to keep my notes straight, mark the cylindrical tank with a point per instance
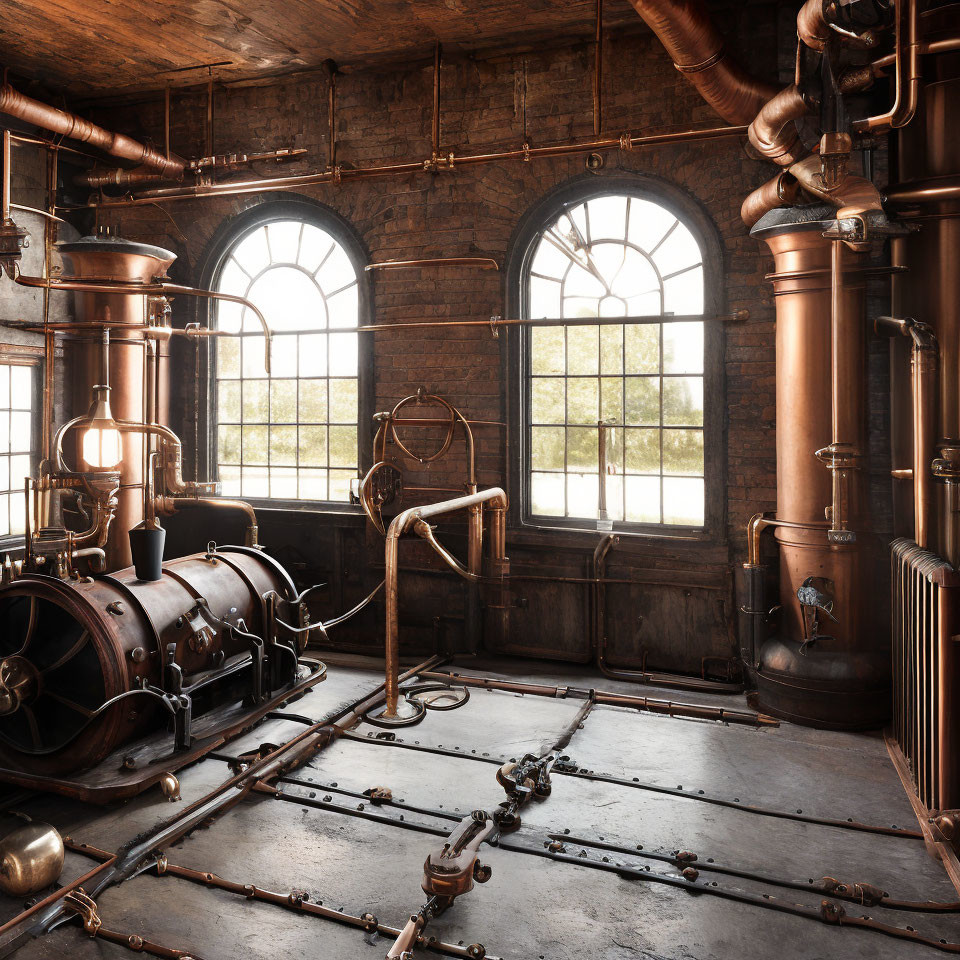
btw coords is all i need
(110, 258)
(70, 646)
(842, 678)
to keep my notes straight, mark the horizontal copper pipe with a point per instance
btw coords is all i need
(42, 115)
(495, 322)
(925, 191)
(482, 263)
(450, 162)
(760, 521)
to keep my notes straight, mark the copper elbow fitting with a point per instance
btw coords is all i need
(783, 190)
(773, 132)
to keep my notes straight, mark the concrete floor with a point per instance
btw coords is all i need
(532, 907)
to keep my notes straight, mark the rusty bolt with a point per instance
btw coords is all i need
(691, 874)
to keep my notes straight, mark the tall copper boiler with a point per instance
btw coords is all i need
(111, 258)
(833, 673)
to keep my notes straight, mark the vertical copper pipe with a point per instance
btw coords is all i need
(907, 73)
(332, 117)
(598, 73)
(923, 363)
(398, 526)
(7, 153)
(435, 133)
(166, 122)
(49, 346)
(210, 115)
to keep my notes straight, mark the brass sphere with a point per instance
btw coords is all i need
(31, 859)
(170, 786)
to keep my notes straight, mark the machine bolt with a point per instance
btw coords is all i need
(138, 654)
(116, 608)
(691, 874)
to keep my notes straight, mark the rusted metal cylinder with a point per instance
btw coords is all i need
(109, 258)
(70, 646)
(840, 679)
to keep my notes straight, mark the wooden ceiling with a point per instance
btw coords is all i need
(86, 47)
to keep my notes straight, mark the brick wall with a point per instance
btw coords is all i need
(384, 115)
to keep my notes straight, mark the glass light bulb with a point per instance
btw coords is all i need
(101, 445)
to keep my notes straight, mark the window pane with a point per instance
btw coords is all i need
(582, 448)
(343, 354)
(313, 446)
(583, 495)
(611, 399)
(313, 356)
(283, 483)
(228, 358)
(683, 451)
(544, 299)
(312, 484)
(642, 401)
(642, 348)
(683, 502)
(283, 401)
(642, 496)
(343, 447)
(283, 357)
(649, 222)
(283, 446)
(284, 237)
(677, 251)
(547, 350)
(228, 401)
(683, 347)
(611, 350)
(251, 253)
(313, 401)
(229, 445)
(343, 307)
(683, 295)
(643, 451)
(583, 398)
(254, 448)
(343, 401)
(546, 494)
(256, 403)
(583, 350)
(548, 396)
(683, 401)
(546, 448)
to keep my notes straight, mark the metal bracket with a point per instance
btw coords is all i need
(85, 906)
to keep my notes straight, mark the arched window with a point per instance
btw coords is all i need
(292, 434)
(620, 399)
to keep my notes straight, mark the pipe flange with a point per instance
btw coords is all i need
(409, 712)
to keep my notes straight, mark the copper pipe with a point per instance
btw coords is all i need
(812, 28)
(400, 525)
(923, 368)
(946, 45)
(435, 127)
(450, 162)
(5, 202)
(160, 287)
(171, 505)
(686, 31)
(494, 323)
(598, 72)
(209, 127)
(773, 132)
(118, 177)
(40, 213)
(761, 521)
(481, 263)
(166, 122)
(783, 190)
(931, 190)
(907, 73)
(39, 114)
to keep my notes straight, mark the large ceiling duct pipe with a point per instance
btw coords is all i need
(686, 31)
(15, 104)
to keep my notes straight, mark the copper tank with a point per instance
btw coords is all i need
(110, 258)
(841, 678)
(70, 646)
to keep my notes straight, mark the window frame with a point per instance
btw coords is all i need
(231, 232)
(517, 354)
(22, 355)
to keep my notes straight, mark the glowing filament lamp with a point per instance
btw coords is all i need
(100, 443)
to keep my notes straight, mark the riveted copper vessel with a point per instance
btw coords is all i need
(841, 678)
(89, 641)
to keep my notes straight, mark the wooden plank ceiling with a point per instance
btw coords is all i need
(86, 47)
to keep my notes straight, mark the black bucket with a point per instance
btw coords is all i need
(146, 545)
